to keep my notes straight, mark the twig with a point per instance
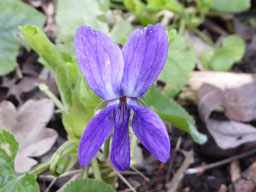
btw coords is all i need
(235, 170)
(69, 181)
(204, 37)
(203, 168)
(173, 155)
(181, 172)
(215, 28)
(50, 185)
(124, 180)
(19, 72)
(140, 173)
(50, 177)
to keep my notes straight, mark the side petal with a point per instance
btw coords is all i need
(151, 131)
(120, 150)
(144, 53)
(100, 61)
(95, 134)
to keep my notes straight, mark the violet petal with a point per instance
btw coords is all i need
(144, 53)
(120, 150)
(95, 134)
(151, 131)
(100, 61)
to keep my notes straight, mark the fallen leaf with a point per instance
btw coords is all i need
(222, 80)
(247, 181)
(229, 133)
(18, 87)
(28, 125)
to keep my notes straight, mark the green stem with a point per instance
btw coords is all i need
(204, 37)
(182, 27)
(41, 168)
(85, 172)
(96, 169)
(106, 149)
(134, 143)
(44, 88)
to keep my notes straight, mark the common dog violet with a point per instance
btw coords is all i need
(120, 76)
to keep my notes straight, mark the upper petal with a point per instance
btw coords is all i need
(144, 53)
(95, 134)
(101, 62)
(151, 131)
(120, 150)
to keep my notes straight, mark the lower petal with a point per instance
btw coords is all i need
(151, 131)
(120, 151)
(95, 134)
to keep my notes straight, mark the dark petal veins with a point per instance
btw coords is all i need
(100, 61)
(144, 53)
(120, 151)
(95, 134)
(151, 131)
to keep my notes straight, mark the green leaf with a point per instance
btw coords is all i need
(9, 180)
(90, 185)
(14, 13)
(171, 5)
(204, 5)
(121, 30)
(51, 58)
(222, 59)
(231, 6)
(173, 113)
(71, 14)
(180, 62)
(141, 12)
(82, 110)
(79, 101)
(171, 35)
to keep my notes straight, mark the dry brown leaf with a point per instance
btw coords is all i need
(222, 80)
(247, 181)
(239, 104)
(17, 88)
(28, 125)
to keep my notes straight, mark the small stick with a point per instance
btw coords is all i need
(69, 181)
(235, 170)
(140, 173)
(203, 168)
(50, 185)
(178, 176)
(173, 155)
(50, 177)
(124, 180)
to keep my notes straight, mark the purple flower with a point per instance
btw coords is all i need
(120, 76)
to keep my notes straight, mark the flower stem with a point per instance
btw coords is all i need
(106, 149)
(182, 26)
(204, 37)
(96, 169)
(134, 142)
(44, 88)
(85, 172)
(41, 168)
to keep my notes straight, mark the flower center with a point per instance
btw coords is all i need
(123, 100)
